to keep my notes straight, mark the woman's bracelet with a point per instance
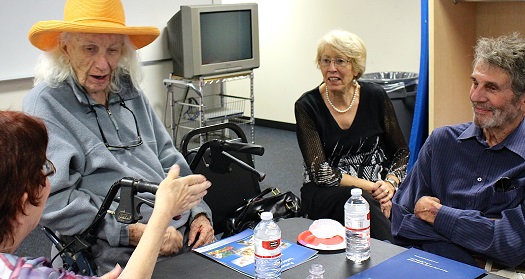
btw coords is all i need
(393, 182)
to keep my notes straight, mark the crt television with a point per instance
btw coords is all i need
(214, 39)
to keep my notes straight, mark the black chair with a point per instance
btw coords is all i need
(228, 164)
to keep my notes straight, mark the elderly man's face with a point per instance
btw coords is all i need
(494, 104)
(94, 57)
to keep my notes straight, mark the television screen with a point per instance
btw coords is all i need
(214, 39)
(219, 46)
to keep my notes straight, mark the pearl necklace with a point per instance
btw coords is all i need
(351, 103)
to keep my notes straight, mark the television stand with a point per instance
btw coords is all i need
(202, 101)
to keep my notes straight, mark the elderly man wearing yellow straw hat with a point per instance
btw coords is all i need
(102, 128)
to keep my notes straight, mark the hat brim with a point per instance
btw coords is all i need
(44, 34)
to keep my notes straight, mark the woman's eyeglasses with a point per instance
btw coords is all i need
(117, 147)
(48, 169)
(338, 62)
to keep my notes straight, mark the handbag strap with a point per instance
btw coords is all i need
(266, 191)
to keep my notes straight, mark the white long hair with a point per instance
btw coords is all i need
(53, 67)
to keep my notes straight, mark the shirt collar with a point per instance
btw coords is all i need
(514, 142)
(471, 131)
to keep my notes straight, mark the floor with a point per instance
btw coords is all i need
(282, 161)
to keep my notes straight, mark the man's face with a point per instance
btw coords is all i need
(494, 104)
(94, 58)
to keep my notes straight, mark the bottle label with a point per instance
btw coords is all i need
(267, 248)
(359, 223)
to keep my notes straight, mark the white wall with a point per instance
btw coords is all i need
(289, 30)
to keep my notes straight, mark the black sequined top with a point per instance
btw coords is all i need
(371, 148)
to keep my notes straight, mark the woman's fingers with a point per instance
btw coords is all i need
(178, 194)
(174, 172)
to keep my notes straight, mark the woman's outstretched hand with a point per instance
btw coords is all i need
(178, 194)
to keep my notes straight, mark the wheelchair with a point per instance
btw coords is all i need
(213, 159)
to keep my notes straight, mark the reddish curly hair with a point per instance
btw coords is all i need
(23, 143)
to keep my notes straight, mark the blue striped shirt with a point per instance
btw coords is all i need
(481, 188)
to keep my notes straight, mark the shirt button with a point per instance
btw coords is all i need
(479, 179)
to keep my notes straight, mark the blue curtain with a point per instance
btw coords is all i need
(419, 130)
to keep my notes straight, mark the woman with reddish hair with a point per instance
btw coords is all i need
(24, 172)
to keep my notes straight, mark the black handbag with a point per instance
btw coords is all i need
(282, 205)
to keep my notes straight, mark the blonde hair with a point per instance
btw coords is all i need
(346, 43)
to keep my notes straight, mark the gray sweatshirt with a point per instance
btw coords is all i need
(86, 168)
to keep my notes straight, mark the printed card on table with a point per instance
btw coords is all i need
(236, 252)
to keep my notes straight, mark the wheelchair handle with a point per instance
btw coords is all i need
(260, 175)
(75, 254)
(218, 154)
(243, 147)
(146, 187)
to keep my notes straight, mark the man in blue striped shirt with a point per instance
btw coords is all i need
(465, 196)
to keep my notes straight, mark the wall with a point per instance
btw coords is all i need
(460, 25)
(289, 30)
(20, 55)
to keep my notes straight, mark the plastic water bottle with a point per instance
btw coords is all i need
(357, 224)
(267, 242)
(316, 272)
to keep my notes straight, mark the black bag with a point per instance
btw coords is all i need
(282, 206)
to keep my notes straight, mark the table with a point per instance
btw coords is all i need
(193, 265)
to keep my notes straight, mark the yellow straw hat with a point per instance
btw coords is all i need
(93, 16)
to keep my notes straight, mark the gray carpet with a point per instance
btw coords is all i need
(282, 160)
(282, 163)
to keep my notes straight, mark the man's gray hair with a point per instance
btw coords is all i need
(507, 53)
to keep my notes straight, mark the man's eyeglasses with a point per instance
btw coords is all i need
(338, 62)
(48, 169)
(117, 147)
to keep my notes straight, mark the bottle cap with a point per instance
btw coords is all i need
(356, 192)
(267, 216)
(317, 269)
